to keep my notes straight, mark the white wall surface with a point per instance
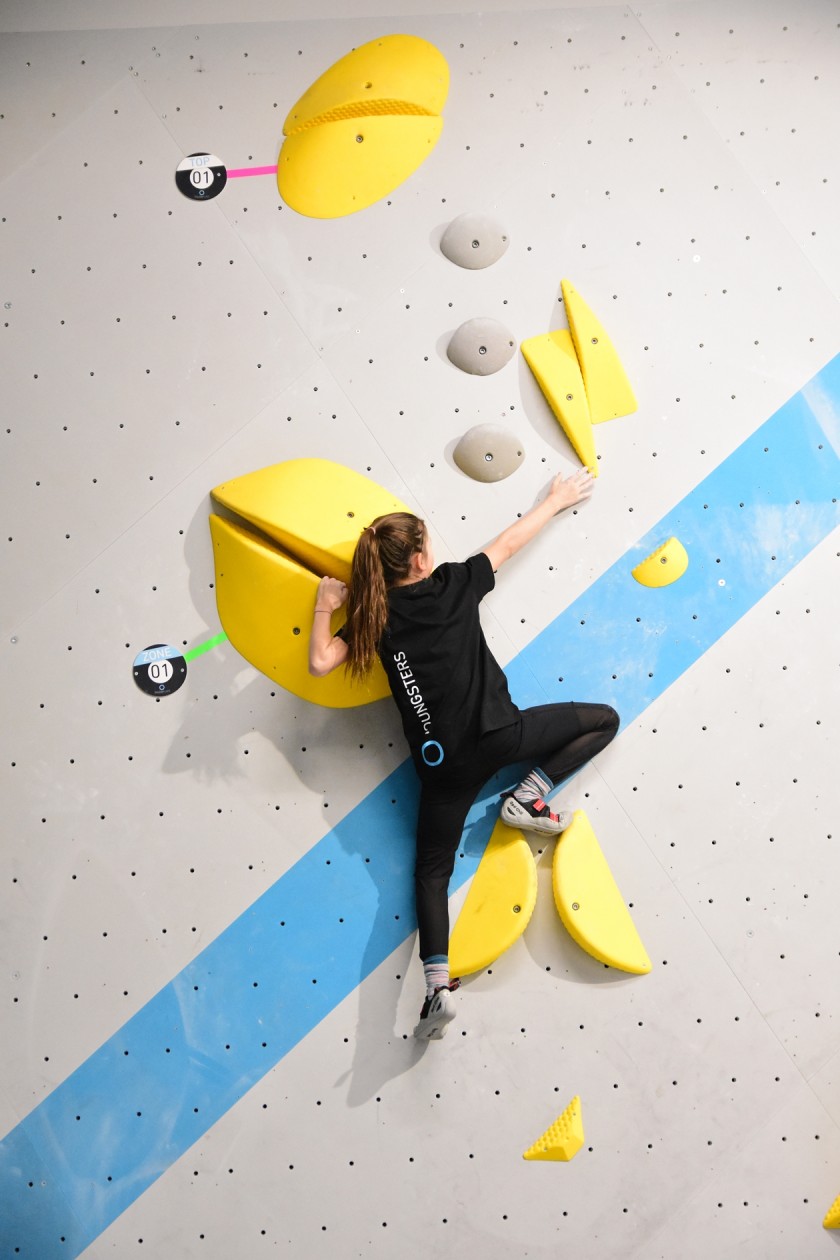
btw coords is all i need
(679, 163)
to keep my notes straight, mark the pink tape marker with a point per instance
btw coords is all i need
(252, 170)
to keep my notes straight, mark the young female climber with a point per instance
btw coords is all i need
(422, 622)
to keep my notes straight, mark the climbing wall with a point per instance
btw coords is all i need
(210, 977)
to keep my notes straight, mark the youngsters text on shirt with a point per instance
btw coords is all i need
(413, 691)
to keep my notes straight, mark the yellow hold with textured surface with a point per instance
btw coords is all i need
(363, 127)
(832, 1216)
(499, 903)
(663, 566)
(607, 387)
(563, 1139)
(552, 359)
(298, 521)
(589, 903)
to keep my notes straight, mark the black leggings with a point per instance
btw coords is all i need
(558, 738)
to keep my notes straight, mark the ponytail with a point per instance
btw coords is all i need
(382, 558)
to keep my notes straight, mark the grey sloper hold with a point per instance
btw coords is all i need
(487, 452)
(474, 241)
(481, 347)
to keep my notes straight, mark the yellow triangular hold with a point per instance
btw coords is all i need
(552, 359)
(499, 904)
(607, 387)
(563, 1139)
(589, 903)
(663, 566)
(832, 1216)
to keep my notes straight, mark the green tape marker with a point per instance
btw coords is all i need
(201, 648)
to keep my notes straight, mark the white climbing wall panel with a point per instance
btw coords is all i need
(678, 162)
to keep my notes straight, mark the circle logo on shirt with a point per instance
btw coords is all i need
(432, 752)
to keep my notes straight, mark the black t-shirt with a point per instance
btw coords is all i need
(448, 686)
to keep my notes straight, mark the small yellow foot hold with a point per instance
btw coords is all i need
(499, 903)
(589, 903)
(663, 566)
(552, 359)
(563, 1139)
(363, 127)
(832, 1216)
(607, 387)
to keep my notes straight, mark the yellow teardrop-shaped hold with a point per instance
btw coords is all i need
(663, 566)
(552, 359)
(589, 903)
(393, 68)
(363, 127)
(607, 387)
(832, 1216)
(563, 1139)
(310, 513)
(499, 904)
(329, 171)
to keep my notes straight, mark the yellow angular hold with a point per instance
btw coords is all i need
(832, 1216)
(607, 387)
(499, 903)
(298, 521)
(314, 508)
(563, 1139)
(552, 359)
(589, 903)
(664, 565)
(363, 127)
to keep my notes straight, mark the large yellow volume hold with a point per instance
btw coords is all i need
(499, 904)
(607, 387)
(563, 1139)
(363, 127)
(832, 1216)
(664, 565)
(589, 903)
(298, 521)
(552, 359)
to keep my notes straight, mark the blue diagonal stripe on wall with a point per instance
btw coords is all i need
(103, 1136)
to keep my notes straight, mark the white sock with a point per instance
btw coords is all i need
(533, 787)
(436, 971)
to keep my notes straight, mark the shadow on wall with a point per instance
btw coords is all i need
(384, 1049)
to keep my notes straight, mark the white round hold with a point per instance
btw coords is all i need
(474, 241)
(481, 347)
(488, 452)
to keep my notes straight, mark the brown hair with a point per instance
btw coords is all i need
(382, 558)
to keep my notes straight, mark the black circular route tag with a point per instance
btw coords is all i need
(159, 670)
(201, 176)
